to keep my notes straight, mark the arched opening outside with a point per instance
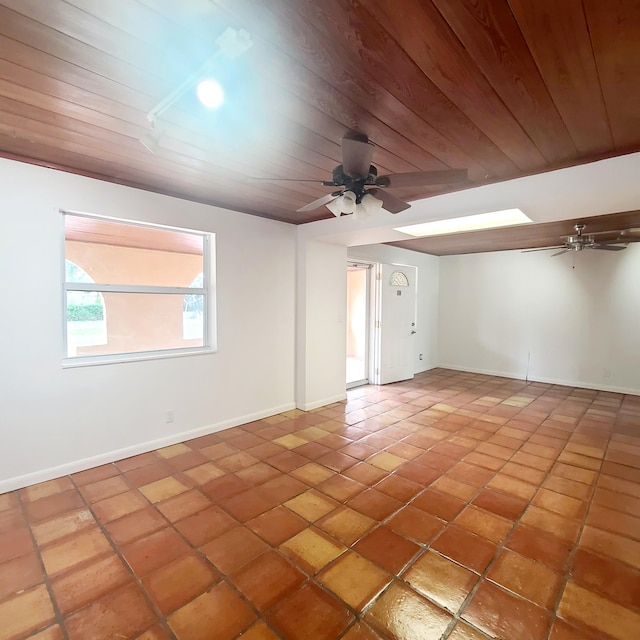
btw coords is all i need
(86, 314)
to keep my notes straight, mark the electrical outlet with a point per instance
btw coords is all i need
(420, 357)
(169, 416)
(606, 373)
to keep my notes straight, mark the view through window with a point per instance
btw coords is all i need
(134, 289)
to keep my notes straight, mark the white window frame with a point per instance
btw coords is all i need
(207, 290)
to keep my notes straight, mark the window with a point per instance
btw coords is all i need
(134, 291)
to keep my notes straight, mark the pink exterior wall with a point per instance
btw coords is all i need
(128, 316)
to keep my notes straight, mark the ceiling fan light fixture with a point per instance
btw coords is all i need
(491, 220)
(334, 207)
(348, 202)
(371, 204)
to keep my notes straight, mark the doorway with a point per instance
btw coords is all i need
(358, 285)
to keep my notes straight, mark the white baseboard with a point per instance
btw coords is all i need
(487, 372)
(580, 384)
(309, 406)
(17, 482)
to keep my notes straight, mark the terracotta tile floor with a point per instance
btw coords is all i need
(452, 506)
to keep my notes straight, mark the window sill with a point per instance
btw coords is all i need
(120, 358)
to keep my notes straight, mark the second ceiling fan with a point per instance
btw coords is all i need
(361, 190)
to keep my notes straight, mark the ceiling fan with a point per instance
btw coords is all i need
(361, 190)
(617, 241)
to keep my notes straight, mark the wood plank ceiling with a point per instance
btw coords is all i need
(503, 88)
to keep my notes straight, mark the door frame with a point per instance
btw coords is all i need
(369, 302)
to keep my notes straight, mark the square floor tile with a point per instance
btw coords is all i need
(613, 579)
(438, 504)
(355, 580)
(78, 588)
(441, 580)
(176, 583)
(204, 473)
(508, 484)
(374, 504)
(118, 506)
(46, 489)
(416, 524)
(135, 525)
(527, 578)
(464, 631)
(578, 605)
(224, 487)
(173, 450)
(504, 616)
(311, 505)
(149, 473)
(205, 526)
(614, 521)
(387, 549)
(341, 488)
(233, 549)
(503, 505)
(248, 504)
(399, 488)
(283, 488)
(163, 489)
(102, 489)
(559, 503)
(361, 631)
(147, 554)
(259, 631)
(120, 614)
(365, 473)
(553, 523)
(61, 526)
(540, 546)
(484, 523)
(470, 550)
(287, 461)
(401, 613)
(258, 473)
(310, 613)
(277, 525)
(311, 550)
(346, 525)
(19, 574)
(25, 612)
(267, 579)
(73, 550)
(183, 505)
(386, 461)
(53, 505)
(218, 614)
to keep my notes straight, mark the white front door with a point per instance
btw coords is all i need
(397, 322)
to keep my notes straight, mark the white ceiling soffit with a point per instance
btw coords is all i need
(597, 188)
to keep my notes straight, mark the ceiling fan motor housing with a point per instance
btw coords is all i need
(355, 183)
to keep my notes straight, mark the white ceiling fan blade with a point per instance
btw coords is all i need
(316, 204)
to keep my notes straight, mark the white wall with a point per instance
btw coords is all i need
(55, 421)
(321, 351)
(426, 342)
(527, 314)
